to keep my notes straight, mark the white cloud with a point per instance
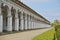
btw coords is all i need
(56, 15)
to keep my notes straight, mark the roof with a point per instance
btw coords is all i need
(28, 8)
(58, 21)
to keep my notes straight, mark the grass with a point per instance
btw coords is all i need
(49, 35)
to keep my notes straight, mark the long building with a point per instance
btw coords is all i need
(16, 16)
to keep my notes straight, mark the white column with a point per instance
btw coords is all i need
(29, 21)
(35, 24)
(16, 22)
(25, 21)
(22, 22)
(1, 20)
(32, 22)
(9, 25)
(38, 24)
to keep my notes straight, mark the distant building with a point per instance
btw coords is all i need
(58, 21)
(15, 16)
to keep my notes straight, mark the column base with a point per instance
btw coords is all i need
(16, 24)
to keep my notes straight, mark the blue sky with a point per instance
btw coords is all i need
(50, 9)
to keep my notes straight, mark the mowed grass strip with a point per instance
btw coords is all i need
(49, 35)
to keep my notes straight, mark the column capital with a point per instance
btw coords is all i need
(9, 12)
(9, 16)
(22, 12)
(16, 14)
(25, 16)
(0, 8)
(21, 16)
(0, 12)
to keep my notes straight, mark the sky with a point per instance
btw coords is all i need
(49, 9)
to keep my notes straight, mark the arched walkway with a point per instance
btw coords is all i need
(19, 17)
(4, 13)
(13, 11)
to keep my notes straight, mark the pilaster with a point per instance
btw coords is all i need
(22, 22)
(16, 21)
(1, 20)
(9, 24)
(25, 21)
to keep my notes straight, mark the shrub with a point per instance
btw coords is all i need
(57, 32)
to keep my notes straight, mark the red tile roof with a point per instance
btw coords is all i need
(58, 21)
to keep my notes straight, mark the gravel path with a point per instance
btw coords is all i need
(27, 35)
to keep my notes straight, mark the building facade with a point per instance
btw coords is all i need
(58, 22)
(15, 16)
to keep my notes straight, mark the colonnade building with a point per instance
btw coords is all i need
(16, 16)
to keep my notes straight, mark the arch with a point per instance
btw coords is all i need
(4, 10)
(24, 20)
(19, 16)
(27, 21)
(13, 11)
(30, 17)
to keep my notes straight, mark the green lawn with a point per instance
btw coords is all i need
(49, 35)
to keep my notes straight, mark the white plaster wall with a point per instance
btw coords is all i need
(1, 19)
(1, 23)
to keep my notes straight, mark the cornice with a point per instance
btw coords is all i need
(28, 8)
